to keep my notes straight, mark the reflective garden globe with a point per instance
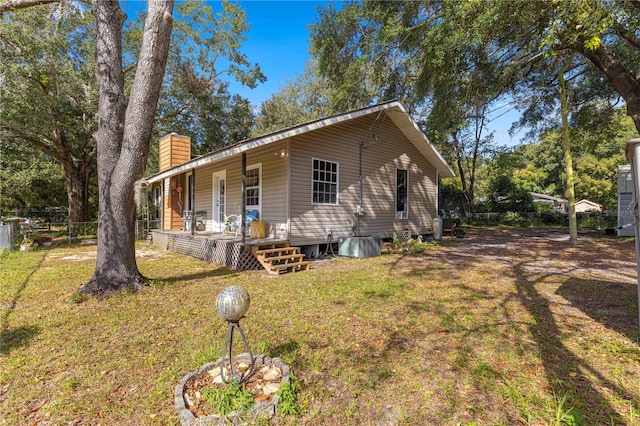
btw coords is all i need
(232, 303)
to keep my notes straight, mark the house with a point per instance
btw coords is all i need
(626, 219)
(559, 204)
(583, 206)
(368, 172)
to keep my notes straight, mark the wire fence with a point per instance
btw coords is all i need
(13, 232)
(586, 220)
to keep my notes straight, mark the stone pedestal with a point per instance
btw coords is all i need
(265, 408)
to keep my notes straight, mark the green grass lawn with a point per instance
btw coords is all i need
(495, 328)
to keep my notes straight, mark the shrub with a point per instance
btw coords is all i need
(514, 219)
(229, 398)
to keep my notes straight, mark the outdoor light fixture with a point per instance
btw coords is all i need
(282, 153)
(232, 303)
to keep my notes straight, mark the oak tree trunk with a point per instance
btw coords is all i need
(124, 132)
(77, 182)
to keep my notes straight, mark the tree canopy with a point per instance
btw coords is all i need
(305, 98)
(450, 61)
(49, 96)
(205, 53)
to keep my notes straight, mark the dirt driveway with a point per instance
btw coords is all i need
(600, 270)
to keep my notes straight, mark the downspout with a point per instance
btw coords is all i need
(358, 209)
(243, 197)
(288, 233)
(437, 212)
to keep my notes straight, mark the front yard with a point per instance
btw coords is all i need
(501, 327)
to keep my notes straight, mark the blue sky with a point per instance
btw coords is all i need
(279, 41)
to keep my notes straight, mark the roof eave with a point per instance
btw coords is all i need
(421, 142)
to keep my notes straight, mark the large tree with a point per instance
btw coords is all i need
(448, 58)
(414, 51)
(123, 134)
(29, 180)
(305, 98)
(48, 94)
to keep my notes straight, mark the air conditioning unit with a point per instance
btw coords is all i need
(360, 247)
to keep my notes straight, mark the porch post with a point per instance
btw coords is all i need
(243, 198)
(192, 194)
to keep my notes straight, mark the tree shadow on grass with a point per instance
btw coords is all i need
(286, 349)
(614, 305)
(530, 260)
(13, 338)
(220, 272)
(562, 366)
(288, 352)
(17, 337)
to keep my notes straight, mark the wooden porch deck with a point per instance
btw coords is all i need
(224, 250)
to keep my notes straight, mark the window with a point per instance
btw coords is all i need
(157, 201)
(253, 187)
(325, 182)
(402, 183)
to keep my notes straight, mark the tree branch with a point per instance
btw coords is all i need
(627, 35)
(12, 5)
(33, 141)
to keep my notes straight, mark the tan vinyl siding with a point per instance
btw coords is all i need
(274, 185)
(340, 144)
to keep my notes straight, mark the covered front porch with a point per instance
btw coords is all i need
(273, 254)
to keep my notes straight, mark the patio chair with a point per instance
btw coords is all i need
(201, 216)
(233, 222)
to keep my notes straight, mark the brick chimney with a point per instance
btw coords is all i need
(173, 151)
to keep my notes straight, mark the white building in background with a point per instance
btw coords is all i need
(583, 206)
(559, 204)
(625, 202)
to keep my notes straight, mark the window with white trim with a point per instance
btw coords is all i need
(324, 182)
(402, 194)
(254, 183)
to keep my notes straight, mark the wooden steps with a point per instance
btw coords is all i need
(279, 258)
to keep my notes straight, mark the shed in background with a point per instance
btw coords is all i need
(625, 202)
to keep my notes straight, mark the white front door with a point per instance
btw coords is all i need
(219, 200)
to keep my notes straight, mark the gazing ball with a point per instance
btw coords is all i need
(232, 303)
